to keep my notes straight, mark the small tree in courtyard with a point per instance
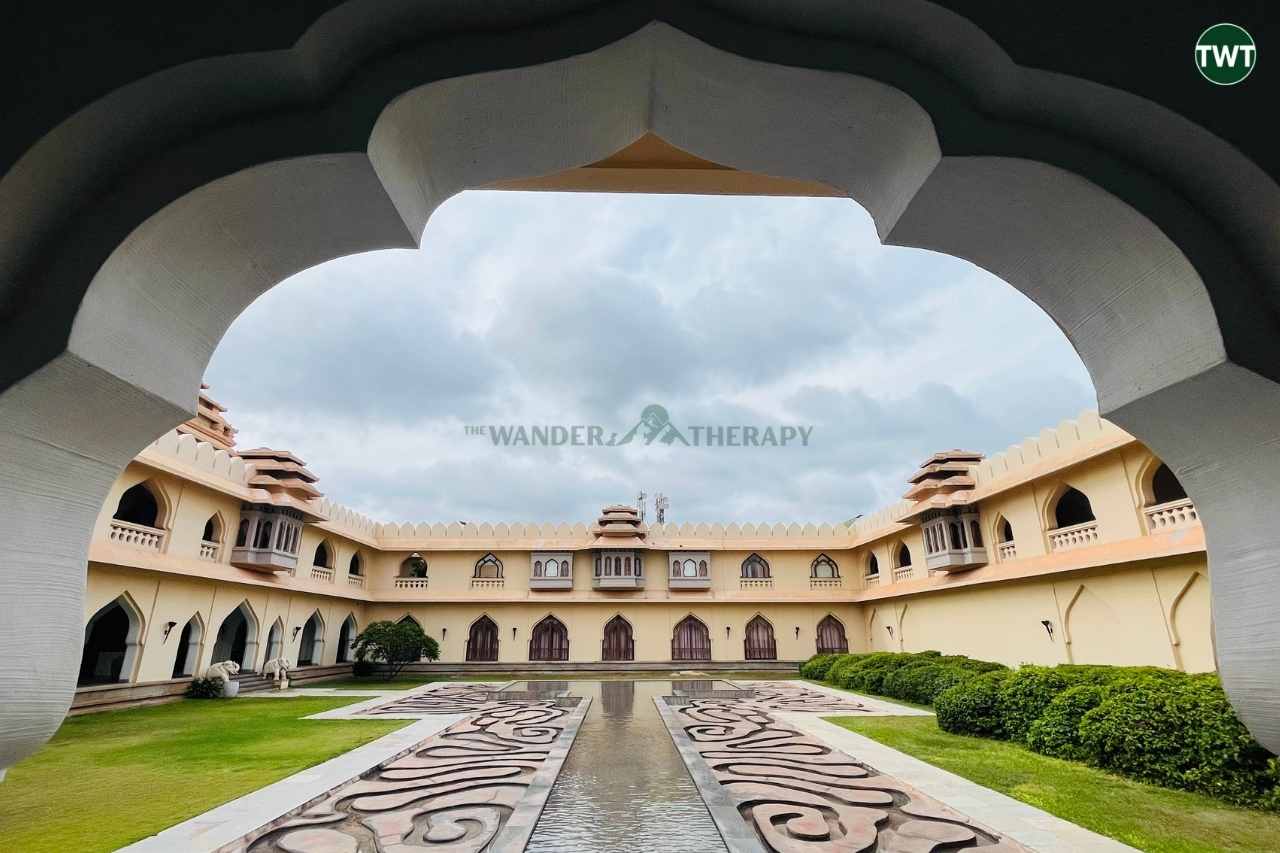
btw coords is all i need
(395, 644)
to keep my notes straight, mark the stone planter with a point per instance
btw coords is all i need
(230, 689)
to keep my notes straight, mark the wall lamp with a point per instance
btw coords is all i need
(889, 628)
(727, 629)
(1048, 627)
(296, 629)
(168, 627)
(513, 631)
(444, 632)
(797, 632)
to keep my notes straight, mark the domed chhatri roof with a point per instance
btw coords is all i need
(619, 527)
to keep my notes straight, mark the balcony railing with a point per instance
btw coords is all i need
(321, 573)
(488, 583)
(1007, 550)
(356, 580)
(902, 573)
(209, 550)
(871, 580)
(826, 583)
(411, 583)
(1171, 516)
(1075, 536)
(755, 583)
(682, 582)
(136, 535)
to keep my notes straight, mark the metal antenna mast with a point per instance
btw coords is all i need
(660, 504)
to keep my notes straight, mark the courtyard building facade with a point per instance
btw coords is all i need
(1078, 545)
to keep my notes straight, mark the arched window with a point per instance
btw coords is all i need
(138, 505)
(346, 639)
(275, 641)
(264, 536)
(759, 643)
(414, 566)
(188, 652)
(482, 640)
(755, 566)
(1165, 486)
(873, 566)
(1004, 530)
(322, 556)
(1072, 508)
(903, 556)
(956, 535)
(311, 648)
(550, 640)
(824, 567)
(354, 567)
(111, 643)
(212, 529)
(690, 640)
(975, 535)
(488, 566)
(242, 533)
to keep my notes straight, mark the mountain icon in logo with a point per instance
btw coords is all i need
(654, 424)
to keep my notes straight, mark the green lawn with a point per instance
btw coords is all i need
(1143, 816)
(106, 780)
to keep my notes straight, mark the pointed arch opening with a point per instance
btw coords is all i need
(549, 641)
(755, 566)
(831, 637)
(414, 566)
(355, 566)
(112, 642)
(346, 639)
(323, 556)
(759, 642)
(690, 640)
(275, 640)
(488, 566)
(213, 530)
(190, 641)
(311, 646)
(618, 643)
(873, 566)
(237, 638)
(824, 567)
(482, 641)
(1071, 507)
(142, 504)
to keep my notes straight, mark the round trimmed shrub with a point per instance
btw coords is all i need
(922, 681)
(838, 672)
(1057, 731)
(973, 706)
(1026, 695)
(1181, 733)
(817, 666)
(868, 675)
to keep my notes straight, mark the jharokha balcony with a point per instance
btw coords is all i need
(1173, 515)
(136, 535)
(411, 583)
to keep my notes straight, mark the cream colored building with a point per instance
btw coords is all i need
(1077, 545)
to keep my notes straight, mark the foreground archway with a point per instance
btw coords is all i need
(1175, 322)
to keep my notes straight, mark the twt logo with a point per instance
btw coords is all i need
(1225, 54)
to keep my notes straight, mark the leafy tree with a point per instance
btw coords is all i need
(396, 644)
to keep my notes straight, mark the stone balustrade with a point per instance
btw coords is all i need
(322, 574)
(1075, 536)
(826, 583)
(1007, 550)
(871, 580)
(209, 550)
(488, 583)
(136, 535)
(902, 573)
(356, 580)
(755, 583)
(411, 583)
(1171, 516)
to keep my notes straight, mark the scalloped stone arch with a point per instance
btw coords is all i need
(1124, 293)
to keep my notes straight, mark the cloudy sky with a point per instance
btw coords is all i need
(575, 309)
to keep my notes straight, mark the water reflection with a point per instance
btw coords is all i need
(624, 786)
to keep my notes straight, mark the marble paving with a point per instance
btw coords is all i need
(792, 792)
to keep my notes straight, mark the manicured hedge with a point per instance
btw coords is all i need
(1157, 725)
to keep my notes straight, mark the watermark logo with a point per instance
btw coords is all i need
(1226, 54)
(653, 427)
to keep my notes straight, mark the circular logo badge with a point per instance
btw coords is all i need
(1225, 54)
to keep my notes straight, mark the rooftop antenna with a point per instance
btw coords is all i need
(660, 504)
(640, 503)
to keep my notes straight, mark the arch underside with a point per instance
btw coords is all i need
(1175, 324)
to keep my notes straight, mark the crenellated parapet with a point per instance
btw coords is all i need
(1055, 447)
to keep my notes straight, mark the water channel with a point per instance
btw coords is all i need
(623, 786)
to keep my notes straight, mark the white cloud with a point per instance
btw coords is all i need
(548, 308)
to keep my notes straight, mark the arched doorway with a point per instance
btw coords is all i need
(482, 641)
(138, 505)
(311, 647)
(1064, 220)
(618, 643)
(237, 638)
(550, 640)
(759, 643)
(187, 655)
(111, 641)
(346, 637)
(831, 637)
(275, 641)
(691, 640)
